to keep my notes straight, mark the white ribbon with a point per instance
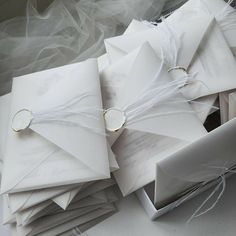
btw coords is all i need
(65, 114)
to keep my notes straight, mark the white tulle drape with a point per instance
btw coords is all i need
(67, 31)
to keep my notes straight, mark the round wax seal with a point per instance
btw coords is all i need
(22, 120)
(114, 119)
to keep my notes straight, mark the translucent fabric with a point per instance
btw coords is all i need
(67, 31)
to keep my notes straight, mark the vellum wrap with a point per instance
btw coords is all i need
(203, 106)
(198, 49)
(170, 122)
(195, 165)
(20, 201)
(24, 200)
(60, 150)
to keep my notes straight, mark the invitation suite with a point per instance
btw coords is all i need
(199, 53)
(146, 116)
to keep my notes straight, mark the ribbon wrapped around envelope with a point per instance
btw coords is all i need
(196, 51)
(196, 165)
(62, 139)
(146, 116)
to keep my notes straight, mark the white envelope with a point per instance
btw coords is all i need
(69, 196)
(94, 188)
(88, 189)
(23, 218)
(226, 18)
(104, 196)
(65, 199)
(101, 197)
(53, 154)
(24, 200)
(143, 143)
(202, 161)
(74, 229)
(203, 106)
(200, 50)
(62, 196)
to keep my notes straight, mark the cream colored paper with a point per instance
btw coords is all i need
(203, 106)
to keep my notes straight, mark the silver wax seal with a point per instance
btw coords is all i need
(114, 119)
(22, 120)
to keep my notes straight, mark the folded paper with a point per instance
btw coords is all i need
(65, 136)
(153, 115)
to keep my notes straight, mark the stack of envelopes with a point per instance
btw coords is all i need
(137, 111)
(57, 167)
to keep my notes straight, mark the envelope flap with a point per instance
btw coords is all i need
(172, 35)
(130, 42)
(141, 74)
(65, 199)
(172, 120)
(69, 113)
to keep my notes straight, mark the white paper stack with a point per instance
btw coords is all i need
(57, 167)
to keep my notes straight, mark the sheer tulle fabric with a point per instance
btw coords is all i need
(68, 31)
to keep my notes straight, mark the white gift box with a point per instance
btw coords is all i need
(218, 146)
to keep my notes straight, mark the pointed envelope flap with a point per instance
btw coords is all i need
(202, 161)
(23, 200)
(182, 32)
(167, 35)
(49, 165)
(77, 92)
(179, 122)
(65, 199)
